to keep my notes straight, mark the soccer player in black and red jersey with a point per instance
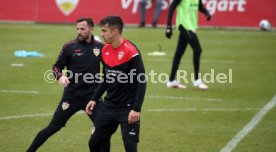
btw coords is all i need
(123, 101)
(81, 57)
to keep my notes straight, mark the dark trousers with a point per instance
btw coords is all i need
(186, 37)
(106, 123)
(64, 111)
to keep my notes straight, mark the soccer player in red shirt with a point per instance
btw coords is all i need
(125, 82)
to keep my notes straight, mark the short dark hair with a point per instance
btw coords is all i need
(89, 21)
(113, 22)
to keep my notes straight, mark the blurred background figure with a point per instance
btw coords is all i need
(187, 24)
(157, 12)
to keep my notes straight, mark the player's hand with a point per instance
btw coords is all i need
(89, 107)
(169, 31)
(63, 81)
(133, 117)
(208, 17)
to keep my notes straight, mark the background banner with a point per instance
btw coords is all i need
(226, 13)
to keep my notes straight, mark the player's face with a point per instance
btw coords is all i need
(107, 34)
(83, 31)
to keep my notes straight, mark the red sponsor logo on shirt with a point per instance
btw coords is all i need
(78, 50)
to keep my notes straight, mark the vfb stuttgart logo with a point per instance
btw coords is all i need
(67, 6)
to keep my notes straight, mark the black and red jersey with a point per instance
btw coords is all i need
(82, 61)
(124, 77)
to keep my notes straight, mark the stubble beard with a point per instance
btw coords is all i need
(82, 38)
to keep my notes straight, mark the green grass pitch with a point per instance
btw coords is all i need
(172, 120)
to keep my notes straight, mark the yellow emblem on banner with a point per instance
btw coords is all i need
(67, 6)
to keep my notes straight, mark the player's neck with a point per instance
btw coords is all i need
(88, 40)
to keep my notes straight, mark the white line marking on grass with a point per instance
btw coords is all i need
(198, 110)
(20, 91)
(32, 115)
(25, 116)
(249, 127)
(17, 64)
(148, 110)
(207, 61)
(184, 98)
(203, 61)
